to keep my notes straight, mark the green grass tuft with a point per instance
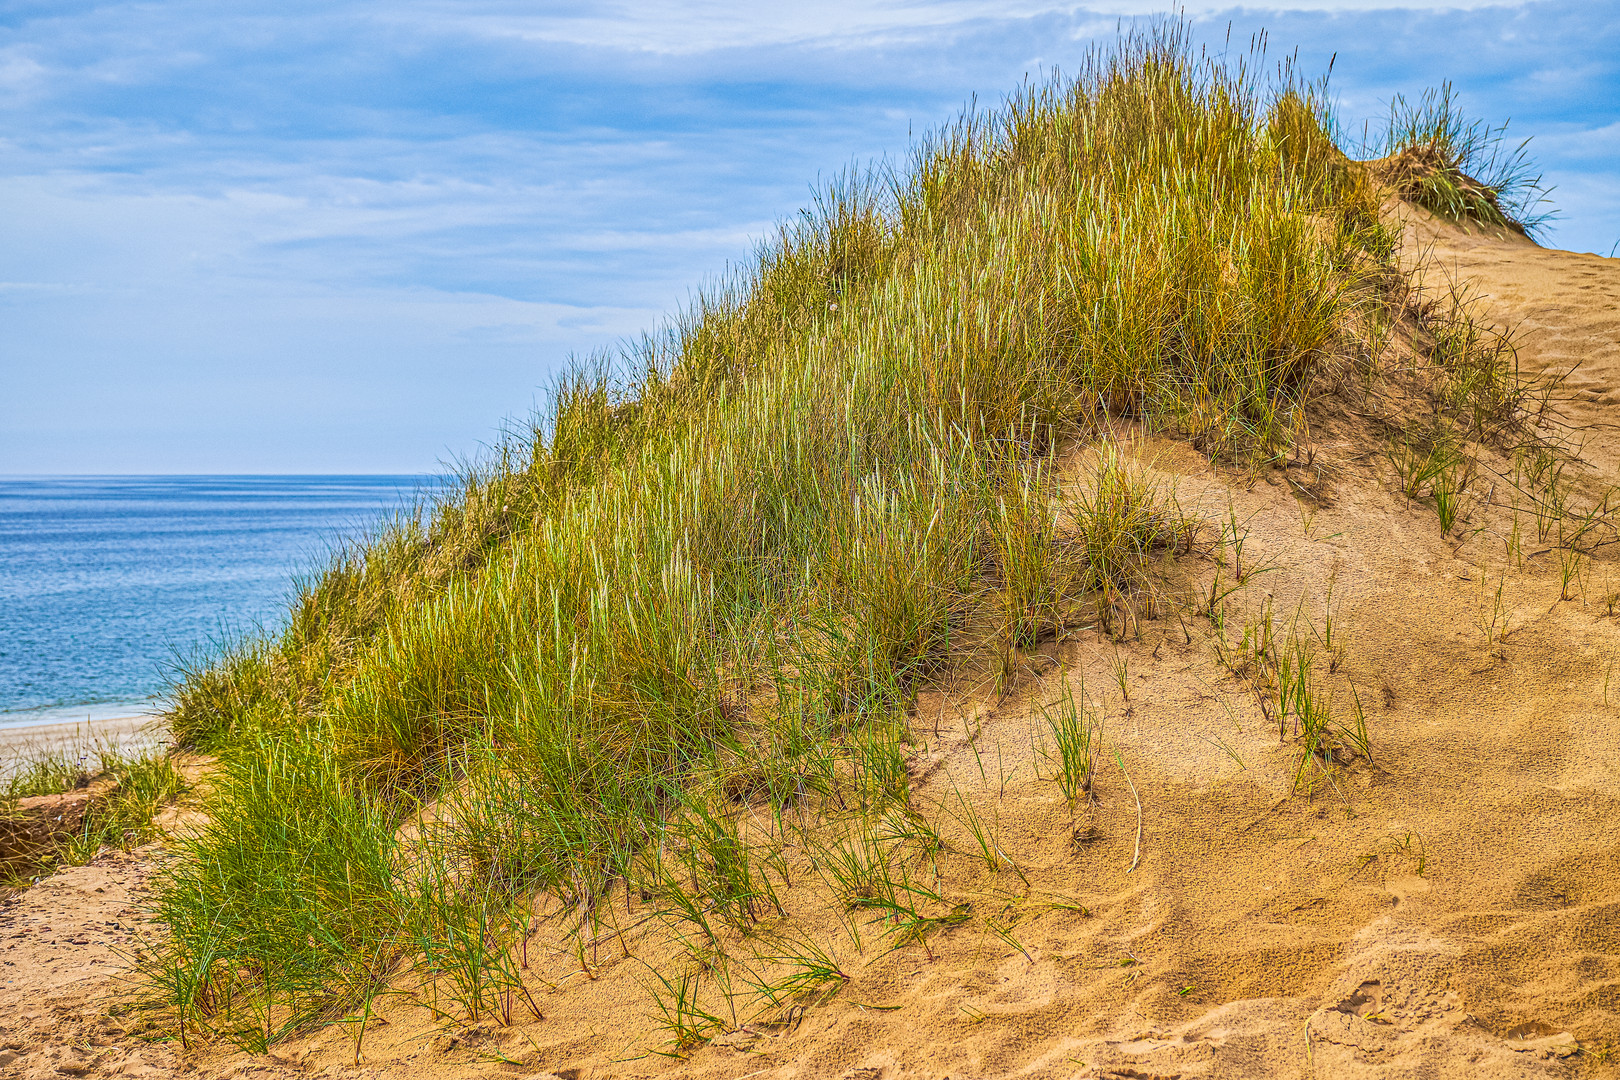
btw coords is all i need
(1461, 169)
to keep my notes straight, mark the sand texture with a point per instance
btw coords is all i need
(1451, 909)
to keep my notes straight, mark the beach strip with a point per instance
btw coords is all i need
(125, 733)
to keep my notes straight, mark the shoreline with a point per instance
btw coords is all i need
(123, 732)
(51, 716)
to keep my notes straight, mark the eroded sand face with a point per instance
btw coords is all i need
(1451, 911)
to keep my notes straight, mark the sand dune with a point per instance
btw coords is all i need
(1450, 910)
(1563, 310)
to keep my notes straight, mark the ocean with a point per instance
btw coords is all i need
(105, 580)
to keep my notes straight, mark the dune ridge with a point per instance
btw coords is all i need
(1308, 770)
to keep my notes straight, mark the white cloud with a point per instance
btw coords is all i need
(1581, 144)
(678, 29)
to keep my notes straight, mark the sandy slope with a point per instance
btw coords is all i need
(1564, 311)
(1452, 911)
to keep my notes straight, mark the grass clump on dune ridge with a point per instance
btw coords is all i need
(1460, 169)
(723, 577)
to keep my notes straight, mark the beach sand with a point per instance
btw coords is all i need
(124, 733)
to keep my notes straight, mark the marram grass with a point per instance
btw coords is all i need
(719, 569)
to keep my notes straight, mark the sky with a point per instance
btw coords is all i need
(349, 237)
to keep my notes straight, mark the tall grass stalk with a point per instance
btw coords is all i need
(1076, 734)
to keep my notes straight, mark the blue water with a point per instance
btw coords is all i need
(104, 580)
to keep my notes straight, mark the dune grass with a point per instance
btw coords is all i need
(48, 772)
(1461, 169)
(720, 567)
(131, 789)
(142, 785)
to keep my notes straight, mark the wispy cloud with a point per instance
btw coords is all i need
(287, 214)
(712, 26)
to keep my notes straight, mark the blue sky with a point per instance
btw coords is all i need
(354, 237)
